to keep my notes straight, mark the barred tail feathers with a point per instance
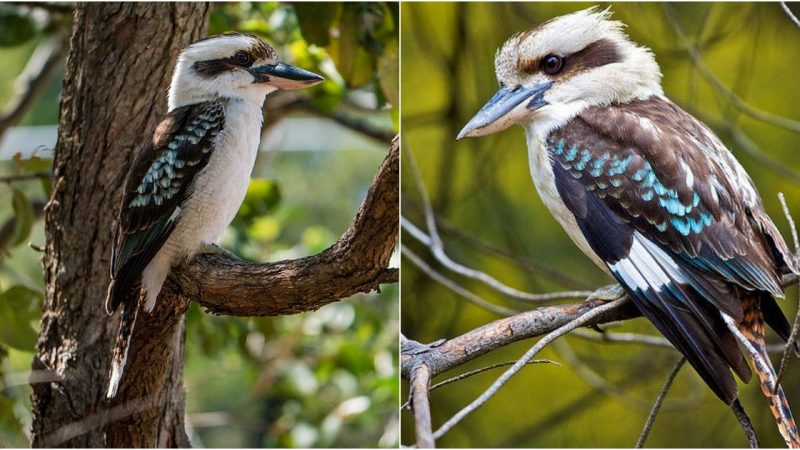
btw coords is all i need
(120, 353)
(752, 328)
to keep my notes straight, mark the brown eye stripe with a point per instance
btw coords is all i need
(596, 54)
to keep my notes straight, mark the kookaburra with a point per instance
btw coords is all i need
(649, 193)
(188, 181)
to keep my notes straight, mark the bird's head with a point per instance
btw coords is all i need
(552, 72)
(238, 66)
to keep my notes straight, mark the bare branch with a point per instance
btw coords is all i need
(301, 102)
(420, 404)
(651, 418)
(624, 338)
(791, 343)
(434, 241)
(717, 84)
(505, 331)
(441, 256)
(357, 262)
(41, 66)
(478, 371)
(747, 425)
(581, 320)
(446, 282)
(791, 15)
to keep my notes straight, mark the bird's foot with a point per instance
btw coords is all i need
(214, 249)
(415, 348)
(608, 293)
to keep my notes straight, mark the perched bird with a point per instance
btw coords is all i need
(187, 183)
(649, 193)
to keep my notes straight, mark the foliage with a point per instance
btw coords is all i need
(326, 378)
(482, 191)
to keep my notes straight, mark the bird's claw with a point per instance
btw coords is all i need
(214, 249)
(608, 293)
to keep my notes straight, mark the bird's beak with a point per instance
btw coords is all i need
(284, 76)
(507, 107)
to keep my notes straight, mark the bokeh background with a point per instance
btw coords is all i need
(491, 219)
(321, 379)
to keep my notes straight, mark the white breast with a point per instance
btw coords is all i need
(221, 186)
(544, 180)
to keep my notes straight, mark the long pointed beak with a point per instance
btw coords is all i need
(507, 107)
(285, 76)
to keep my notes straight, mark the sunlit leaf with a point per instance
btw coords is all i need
(388, 73)
(23, 215)
(17, 310)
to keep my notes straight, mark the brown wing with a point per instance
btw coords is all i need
(158, 183)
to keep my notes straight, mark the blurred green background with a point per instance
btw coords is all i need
(321, 379)
(482, 194)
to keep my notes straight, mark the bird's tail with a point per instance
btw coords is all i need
(120, 355)
(752, 327)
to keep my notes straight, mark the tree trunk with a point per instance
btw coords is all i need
(114, 92)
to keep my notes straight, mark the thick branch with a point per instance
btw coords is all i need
(357, 262)
(452, 353)
(420, 404)
(536, 322)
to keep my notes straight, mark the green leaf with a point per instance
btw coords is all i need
(262, 197)
(23, 216)
(15, 29)
(353, 61)
(315, 21)
(388, 70)
(17, 311)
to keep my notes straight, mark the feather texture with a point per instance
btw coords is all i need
(676, 220)
(159, 182)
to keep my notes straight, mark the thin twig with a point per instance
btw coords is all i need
(528, 356)
(41, 66)
(434, 241)
(747, 425)
(651, 418)
(450, 284)
(421, 406)
(624, 338)
(791, 15)
(478, 371)
(715, 82)
(441, 256)
(791, 342)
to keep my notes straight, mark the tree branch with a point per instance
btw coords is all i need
(357, 262)
(505, 331)
(651, 418)
(41, 66)
(420, 404)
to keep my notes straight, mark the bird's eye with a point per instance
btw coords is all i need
(552, 64)
(242, 58)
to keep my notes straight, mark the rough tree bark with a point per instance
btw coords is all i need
(117, 74)
(118, 70)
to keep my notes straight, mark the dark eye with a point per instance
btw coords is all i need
(552, 64)
(242, 58)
